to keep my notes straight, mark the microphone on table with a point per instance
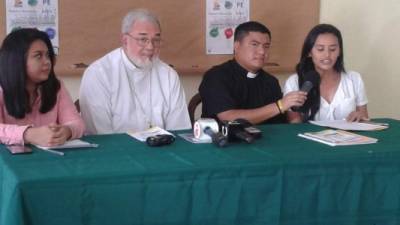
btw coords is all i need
(242, 135)
(311, 79)
(217, 138)
(240, 129)
(207, 128)
(249, 128)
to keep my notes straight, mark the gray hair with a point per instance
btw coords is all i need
(138, 15)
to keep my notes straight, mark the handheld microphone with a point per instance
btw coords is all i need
(307, 86)
(311, 79)
(217, 138)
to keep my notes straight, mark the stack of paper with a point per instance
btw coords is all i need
(192, 139)
(345, 125)
(338, 137)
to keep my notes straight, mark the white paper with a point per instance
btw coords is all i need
(190, 138)
(76, 143)
(143, 135)
(345, 125)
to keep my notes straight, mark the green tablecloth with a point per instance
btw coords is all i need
(280, 179)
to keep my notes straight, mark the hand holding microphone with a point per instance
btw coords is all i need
(296, 99)
(293, 100)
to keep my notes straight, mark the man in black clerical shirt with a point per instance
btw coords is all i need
(240, 88)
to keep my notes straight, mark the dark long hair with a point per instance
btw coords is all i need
(311, 106)
(13, 73)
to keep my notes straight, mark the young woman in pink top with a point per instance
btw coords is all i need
(35, 107)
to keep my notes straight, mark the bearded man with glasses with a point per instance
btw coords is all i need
(130, 88)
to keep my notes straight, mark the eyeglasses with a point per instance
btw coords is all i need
(144, 41)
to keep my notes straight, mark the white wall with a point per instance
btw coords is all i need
(371, 46)
(371, 34)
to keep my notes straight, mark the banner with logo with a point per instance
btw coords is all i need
(222, 17)
(40, 14)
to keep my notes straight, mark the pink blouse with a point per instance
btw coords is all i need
(64, 113)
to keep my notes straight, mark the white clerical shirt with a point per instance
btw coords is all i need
(116, 96)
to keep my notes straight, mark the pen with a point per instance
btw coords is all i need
(53, 151)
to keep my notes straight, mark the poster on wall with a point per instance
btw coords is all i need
(222, 17)
(40, 14)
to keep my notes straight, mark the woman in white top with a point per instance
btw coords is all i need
(337, 94)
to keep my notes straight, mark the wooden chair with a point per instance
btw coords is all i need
(193, 103)
(76, 103)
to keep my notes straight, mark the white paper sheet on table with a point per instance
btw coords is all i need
(345, 125)
(77, 143)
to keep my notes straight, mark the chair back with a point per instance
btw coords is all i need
(193, 103)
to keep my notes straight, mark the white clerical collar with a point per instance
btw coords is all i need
(251, 75)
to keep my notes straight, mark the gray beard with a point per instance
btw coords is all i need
(146, 65)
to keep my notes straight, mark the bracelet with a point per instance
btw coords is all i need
(277, 106)
(280, 106)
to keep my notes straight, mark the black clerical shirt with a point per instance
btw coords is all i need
(226, 87)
